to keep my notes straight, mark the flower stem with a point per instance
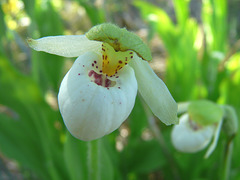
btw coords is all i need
(227, 160)
(93, 160)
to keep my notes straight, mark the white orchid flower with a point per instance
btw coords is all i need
(198, 127)
(98, 92)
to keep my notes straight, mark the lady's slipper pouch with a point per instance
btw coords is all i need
(98, 92)
(200, 123)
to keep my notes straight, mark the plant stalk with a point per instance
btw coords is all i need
(93, 160)
(227, 160)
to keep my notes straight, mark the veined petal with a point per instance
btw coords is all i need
(89, 110)
(154, 92)
(187, 139)
(67, 46)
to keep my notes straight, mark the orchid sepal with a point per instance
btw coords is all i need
(66, 46)
(154, 92)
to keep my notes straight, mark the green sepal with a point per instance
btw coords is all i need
(205, 112)
(120, 39)
(230, 123)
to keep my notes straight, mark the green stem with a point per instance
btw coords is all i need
(93, 160)
(227, 160)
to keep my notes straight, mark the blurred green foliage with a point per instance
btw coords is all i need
(201, 63)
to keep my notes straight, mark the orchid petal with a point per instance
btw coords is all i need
(215, 140)
(190, 140)
(154, 92)
(89, 110)
(67, 46)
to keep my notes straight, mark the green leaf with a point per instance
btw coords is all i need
(216, 27)
(137, 120)
(180, 43)
(182, 11)
(214, 15)
(183, 61)
(96, 15)
(21, 94)
(2, 29)
(23, 147)
(142, 157)
(160, 21)
(47, 70)
(29, 7)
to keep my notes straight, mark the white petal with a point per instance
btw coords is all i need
(154, 92)
(91, 111)
(186, 139)
(67, 46)
(215, 140)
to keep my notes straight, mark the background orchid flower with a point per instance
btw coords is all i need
(98, 92)
(197, 127)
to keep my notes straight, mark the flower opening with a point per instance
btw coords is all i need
(100, 79)
(113, 61)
